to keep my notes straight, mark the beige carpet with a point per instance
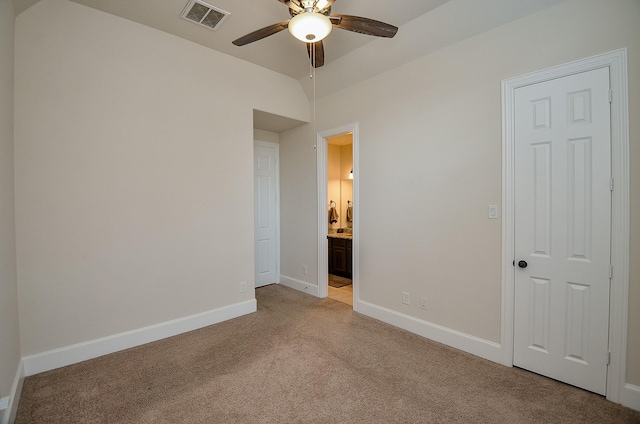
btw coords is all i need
(300, 359)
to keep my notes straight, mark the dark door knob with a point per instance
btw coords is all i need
(522, 264)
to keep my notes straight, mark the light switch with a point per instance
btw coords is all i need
(493, 211)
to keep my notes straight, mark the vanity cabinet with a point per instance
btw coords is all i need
(340, 257)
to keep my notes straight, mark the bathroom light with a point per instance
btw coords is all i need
(310, 27)
(351, 175)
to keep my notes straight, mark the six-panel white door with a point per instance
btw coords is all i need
(563, 222)
(265, 162)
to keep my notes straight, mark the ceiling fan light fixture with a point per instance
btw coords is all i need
(310, 27)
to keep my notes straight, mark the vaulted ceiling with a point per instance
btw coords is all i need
(424, 26)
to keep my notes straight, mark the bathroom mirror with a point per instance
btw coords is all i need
(346, 196)
(339, 185)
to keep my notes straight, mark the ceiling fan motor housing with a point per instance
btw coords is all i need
(319, 6)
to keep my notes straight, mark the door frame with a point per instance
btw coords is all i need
(276, 147)
(323, 225)
(616, 61)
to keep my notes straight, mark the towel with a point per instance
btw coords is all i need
(333, 216)
(350, 214)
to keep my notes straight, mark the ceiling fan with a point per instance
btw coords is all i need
(311, 21)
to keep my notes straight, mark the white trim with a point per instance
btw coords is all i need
(276, 146)
(456, 339)
(56, 358)
(323, 227)
(631, 396)
(355, 271)
(11, 408)
(300, 285)
(616, 61)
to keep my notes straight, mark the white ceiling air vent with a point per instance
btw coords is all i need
(204, 14)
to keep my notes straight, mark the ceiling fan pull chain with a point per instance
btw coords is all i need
(311, 56)
(313, 74)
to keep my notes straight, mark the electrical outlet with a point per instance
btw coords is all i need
(304, 270)
(243, 287)
(405, 298)
(423, 303)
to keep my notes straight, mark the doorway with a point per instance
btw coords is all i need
(340, 217)
(344, 227)
(613, 354)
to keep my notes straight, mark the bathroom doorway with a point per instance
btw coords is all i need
(340, 217)
(338, 214)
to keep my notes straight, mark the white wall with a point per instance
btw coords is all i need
(298, 205)
(430, 146)
(9, 336)
(133, 169)
(263, 135)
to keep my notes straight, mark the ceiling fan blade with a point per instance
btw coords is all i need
(261, 33)
(327, 6)
(292, 5)
(363, 25)
(316, 53)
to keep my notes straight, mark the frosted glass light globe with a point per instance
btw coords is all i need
(310, 27)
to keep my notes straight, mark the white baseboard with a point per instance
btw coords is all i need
(456, 339)
(300, 285)
(11, 406)
(56, 358)
(630, 396)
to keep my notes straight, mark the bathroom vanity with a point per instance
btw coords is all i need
(340, 256)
